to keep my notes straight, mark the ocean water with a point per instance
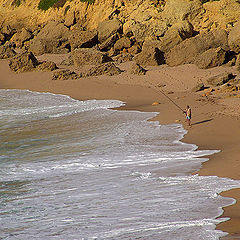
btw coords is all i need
(80, 170)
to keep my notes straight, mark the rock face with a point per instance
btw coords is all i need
(176, 34)
(64, 75)
(150, 55)
(108, 28)
(137, 69)
(211, 58)
(104, 69)
(82, 38)
(53, 38)
(234, 38)
(24, 62)
(6, 52)
(88, 56)
(220, 79)
(187, 51)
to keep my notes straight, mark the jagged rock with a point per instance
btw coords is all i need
(20, 37)
(150, 55)
(7, 31)
(176, 34)
(123, 57)
(106, 68)
(107, 44)
(237, 63)
(211, 58)
(137, 69)
(144, 21)
(47, 66)
(135, 49)
(108, 28)
(198, 87)
(70, 19)
(82, 38)
(234, 38)
(6, 52)
(220, 79)
(187, 51)
(53, 38)
(122, 43)
(88, 56)
(2, 38)
(64, 75)
(23, 62)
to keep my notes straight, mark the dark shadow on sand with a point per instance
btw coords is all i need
(204, 121)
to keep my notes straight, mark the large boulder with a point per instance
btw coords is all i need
(6, 52)
(176, 34)
(234, 38)
(46, 66)
(151, 55)
(187, 51)
(23, 62)
(80, 38)
(53, 38)
(220, 79)
(104, 69)
(88, 56)
(211, 58)
(178, 10)
(108, 28)
(148, 30)
(21, 36)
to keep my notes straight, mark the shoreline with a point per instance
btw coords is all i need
(213, 129)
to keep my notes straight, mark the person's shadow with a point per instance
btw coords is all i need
(204, 121)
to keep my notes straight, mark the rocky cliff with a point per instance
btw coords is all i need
(150, 31)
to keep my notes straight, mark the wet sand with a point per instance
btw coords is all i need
(215, 122)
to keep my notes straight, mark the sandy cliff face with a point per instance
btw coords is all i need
(210, 15)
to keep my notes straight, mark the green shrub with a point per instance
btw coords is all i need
(46, 4)
(90, 1)
(17, 3)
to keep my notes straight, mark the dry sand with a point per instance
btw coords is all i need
(215, 123)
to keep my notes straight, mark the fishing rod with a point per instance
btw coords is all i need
(169, 98)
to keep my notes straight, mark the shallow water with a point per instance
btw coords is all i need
(78, 170)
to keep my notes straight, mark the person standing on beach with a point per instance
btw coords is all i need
(188, 113)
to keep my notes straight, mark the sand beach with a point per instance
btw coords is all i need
(215, 121)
